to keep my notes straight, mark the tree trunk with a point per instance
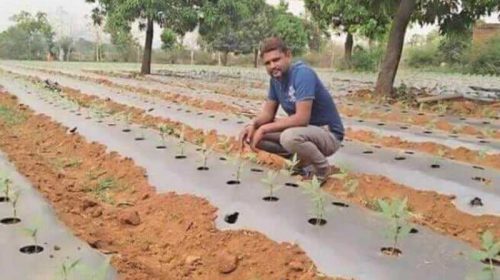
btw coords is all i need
(390, 64)
(224, 58)
(148, 49)
(349, 42)
(256, 57)
(192, 57)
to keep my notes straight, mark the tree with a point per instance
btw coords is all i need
(290, 28)
(66, 45)
(180, 16)
(451, 16)
(31, 37)
(350, 16)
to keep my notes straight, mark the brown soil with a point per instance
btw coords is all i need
(458, 107)
(431, 209)
(150, 236)
(460, 154)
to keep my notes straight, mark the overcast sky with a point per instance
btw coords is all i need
(70, 17)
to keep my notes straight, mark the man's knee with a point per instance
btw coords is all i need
(290, 139)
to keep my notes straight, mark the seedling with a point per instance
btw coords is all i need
(349, 184)
(396, 211)
(5, 185)
(318, 199)
(431, 124)
(181, 145)
(14, 199)
(490, 249)
(290, 165)
(437, 159)
(32, 232)
(483, 153)
(239, 163)
(489, 132)
(204, 153)
(164, 131)
(270, 183)
(253, 157)
(103, 188)
(442, 108)
(67, 267)
(227, 147)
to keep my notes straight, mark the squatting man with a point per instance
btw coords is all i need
(313, 129)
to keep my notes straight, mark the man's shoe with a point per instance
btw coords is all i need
(324, 174)
(302, 171)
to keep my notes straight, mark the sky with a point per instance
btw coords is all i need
(70, 17)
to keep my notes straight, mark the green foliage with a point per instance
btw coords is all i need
(5, 184)
(484, 59)
(104, 186)
(426, 55)
(350, 184)
(290, 165)
(14, 199)
(67, 267)
(101, 273)
(365, 60)
(318, 197)
(291, 29)
(204, 153)
(10, 116)
(32, 231)
(490, 249)
(30, 38)
(270, 182)
(168, 39)
(396, 211)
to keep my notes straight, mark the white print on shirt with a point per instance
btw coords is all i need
(291, 95)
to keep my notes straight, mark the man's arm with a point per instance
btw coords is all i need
(267, 114)
(300, 118)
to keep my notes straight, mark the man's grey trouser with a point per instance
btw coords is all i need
(312, 144)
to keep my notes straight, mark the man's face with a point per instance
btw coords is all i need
(277, 63)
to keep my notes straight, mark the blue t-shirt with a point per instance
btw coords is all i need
(301, 83)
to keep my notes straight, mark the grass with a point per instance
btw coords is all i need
(10, 116)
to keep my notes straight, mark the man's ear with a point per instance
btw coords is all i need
(288, 53)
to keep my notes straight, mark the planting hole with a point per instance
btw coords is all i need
(199, 113)
(270, 198)
(360, 121)
(78, 114)
(240, 122)
(202, 168)
(233, 182)
(4, 199)
(180, 157)
(404, 127)
(404, 112)
(483, 142)
(368, 152)
(223, 158)
(293, 185)
(413, 230)
(256, 170)
(391, 251)
(475, 202)
(224, 120)
(126, 130)
(139, 139)
(340, 204)
(428, 132)
(231, 218)
(462, 119)
(377, 146)
(87, 118)
(420, 114)
(409, 152)
(495, 262)
(453, 136)
(188, 111)
(151, 109)
(317, 222)
(441, 116)
(399, 158)
(211, 116)
(486, 122)
(435, 166)
(477, 167)
(111, 124)
(31, 249)
(10, 221)
(479, 179)
(161, 147)
(381, 124)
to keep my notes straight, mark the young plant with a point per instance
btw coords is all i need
(396, 211)
(164, 131)
(227, 147)
(239, 163)
(318, 199)
(67, 268)
(101, 273)
(490, 249)
(14, 199)
(290, 165)
(437, 159)
(181, 144)
(270, 183)
(32, 232)
(483, 153)
(5, 185)
(204, 153)
(350, 184)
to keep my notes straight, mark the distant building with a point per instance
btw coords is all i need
(485, 31)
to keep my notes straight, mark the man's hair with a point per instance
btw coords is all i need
(272, 44)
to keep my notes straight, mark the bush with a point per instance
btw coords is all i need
(484, 59)
(427, 55)
(364, 60)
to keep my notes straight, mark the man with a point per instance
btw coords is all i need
(313, 129)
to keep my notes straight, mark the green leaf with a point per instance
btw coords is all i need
(479, 255)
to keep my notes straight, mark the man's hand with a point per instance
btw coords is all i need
(257, 136)
(246, 135)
